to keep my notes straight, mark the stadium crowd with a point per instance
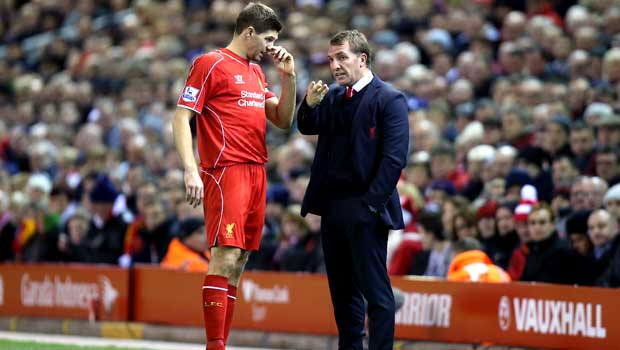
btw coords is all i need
(514, 110)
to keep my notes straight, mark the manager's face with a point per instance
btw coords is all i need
(346, 66)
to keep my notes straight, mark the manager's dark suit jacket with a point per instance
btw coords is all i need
(379, 143)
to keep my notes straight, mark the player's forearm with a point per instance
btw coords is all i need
(183, 138)
(286, 106)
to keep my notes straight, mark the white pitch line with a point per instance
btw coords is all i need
(103, 342)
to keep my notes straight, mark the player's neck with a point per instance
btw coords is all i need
(236, 46)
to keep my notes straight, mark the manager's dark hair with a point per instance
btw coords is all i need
(357, 41)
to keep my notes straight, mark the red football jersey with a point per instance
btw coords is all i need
(228, 93)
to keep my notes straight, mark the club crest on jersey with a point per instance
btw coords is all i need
(229, 230)
(190, 94)
(239, 79)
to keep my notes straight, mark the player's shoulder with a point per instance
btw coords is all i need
(209, 58)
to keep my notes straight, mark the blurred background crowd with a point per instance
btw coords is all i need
(514, 113)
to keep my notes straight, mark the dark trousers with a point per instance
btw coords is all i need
(355, 246)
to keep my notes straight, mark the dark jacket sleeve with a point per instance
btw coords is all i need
(308, 119)
(611, 276)
(394, 143)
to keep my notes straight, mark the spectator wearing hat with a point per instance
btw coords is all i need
(515, 180)
(608, 131)
(104, 240)
(487, 228)
(611, 201)
(278, 198)
(577, 232)
(595, 111)
(516, 263)
(40, 246)
(438, 192)
(534, 160)
(470, 264)
(277, 201)
(504, 160)
(188, 251)
(507, 240)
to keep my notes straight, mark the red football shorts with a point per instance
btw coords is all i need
(234, 205)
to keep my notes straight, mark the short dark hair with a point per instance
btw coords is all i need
(579, 125)
(465, 244)
(431, 222)
(543, 206)
(357, 41)
(259, 16)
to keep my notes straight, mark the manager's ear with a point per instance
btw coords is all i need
(363, 60)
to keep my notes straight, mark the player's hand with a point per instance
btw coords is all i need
(194, 189)
(283, 60)
(315, 92)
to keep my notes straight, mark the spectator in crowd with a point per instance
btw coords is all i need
(517, 261)
(603, 233)
(188, 251)
(153, 239)
(611, 201)
(507, 237)
(434, 243)
(577, 233)
(299, 248)
(7, 229)
(465, 224)
(548, 255)
(103, 242)
(582, 144)
(607, 165)
(69, 241)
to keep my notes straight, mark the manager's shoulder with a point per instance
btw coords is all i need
(389, 91)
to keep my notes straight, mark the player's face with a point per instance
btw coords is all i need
(260, 44)
(346, 66)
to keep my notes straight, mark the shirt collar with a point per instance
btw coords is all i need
(365, 80)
